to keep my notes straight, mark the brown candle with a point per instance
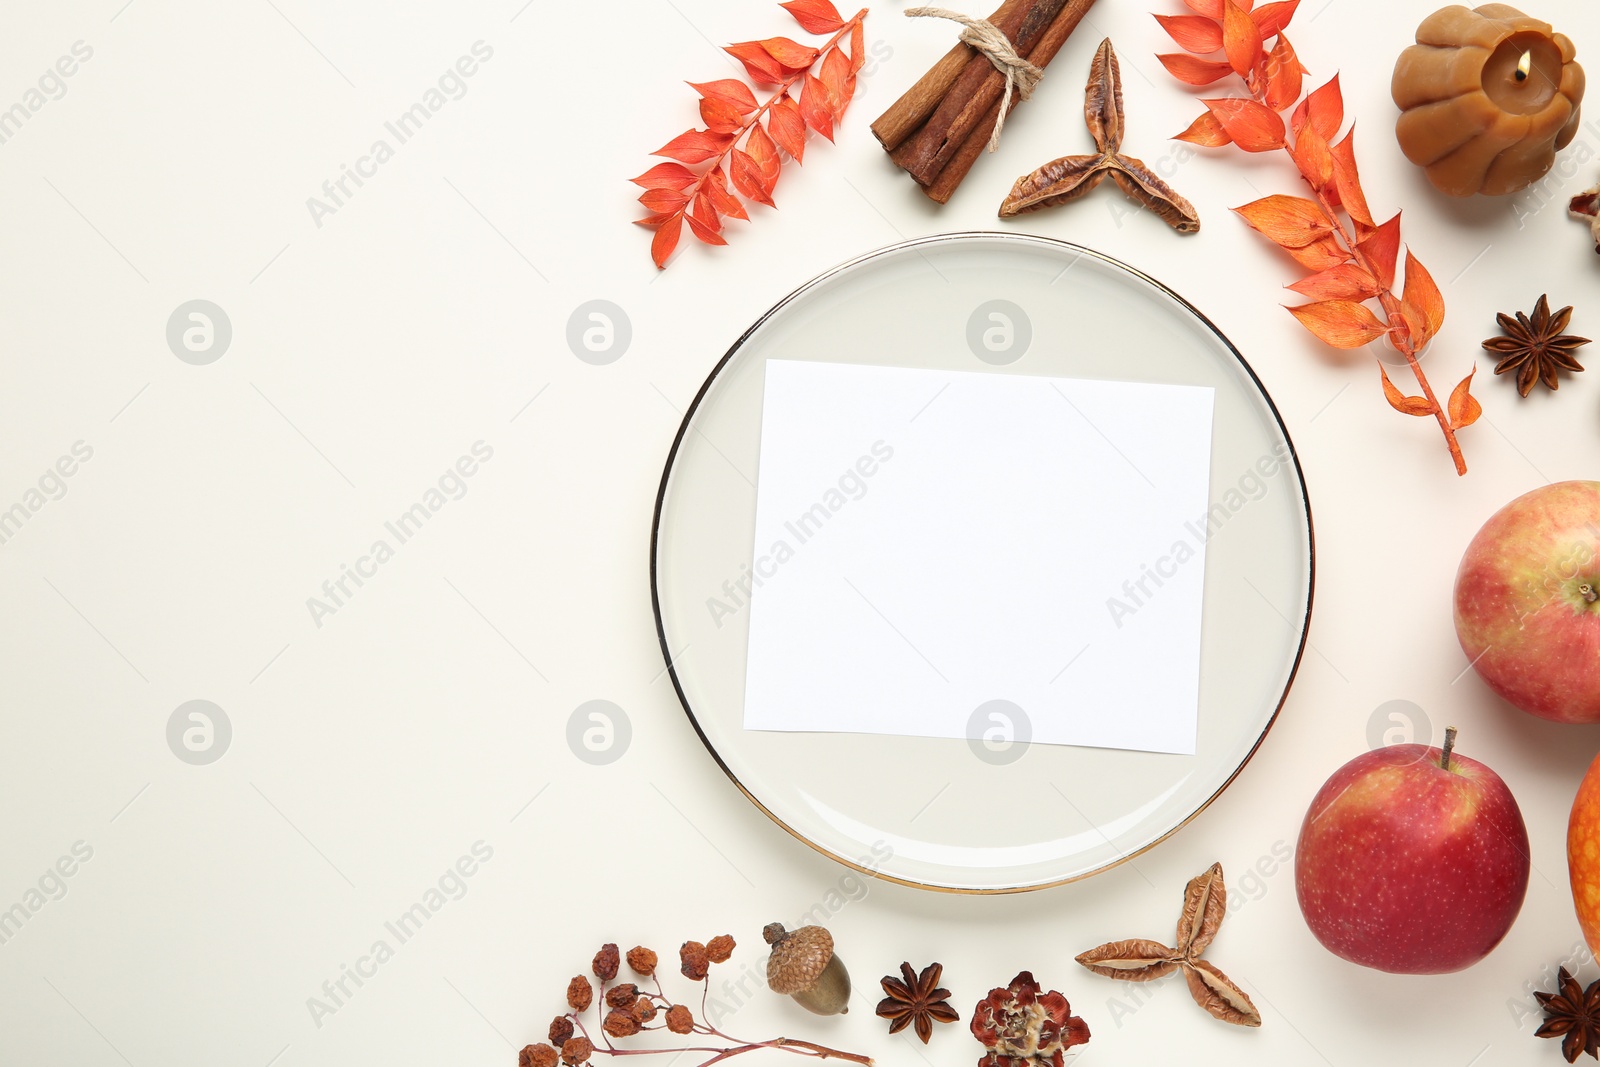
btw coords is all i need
(1487, 97)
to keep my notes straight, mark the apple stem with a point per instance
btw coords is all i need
(1588, 592)
(1449, 743)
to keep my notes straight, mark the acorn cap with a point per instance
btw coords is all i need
(798, 957)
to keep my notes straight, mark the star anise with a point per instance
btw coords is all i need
(916, 1001)
(1572, 1014)
(1070, 177)
(1205, 904)
(1535, 347)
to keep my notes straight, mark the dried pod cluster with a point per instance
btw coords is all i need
(1205, 904)
(1070, 177)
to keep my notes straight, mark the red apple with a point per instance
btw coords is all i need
(1412, 860)
(1528, 602)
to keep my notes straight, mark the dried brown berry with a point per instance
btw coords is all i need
(644, 1009)
(576, 1050)
(580, 994)
(540, 1055)
(605, 962)
(719, 948)
(620, 1023)
(622, 996)
(560, 1029)
(642, 960)
(680, 1020)
(693, 960)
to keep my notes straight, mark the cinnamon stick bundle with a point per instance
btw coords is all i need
(937, 130)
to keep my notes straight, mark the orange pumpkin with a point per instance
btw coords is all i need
(1487, 97)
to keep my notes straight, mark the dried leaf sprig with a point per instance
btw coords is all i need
(1331, 233)
(627, 1009)
(1205, 904)
(674, 194)
(1070, 177)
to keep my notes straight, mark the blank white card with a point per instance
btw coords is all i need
(930, 542)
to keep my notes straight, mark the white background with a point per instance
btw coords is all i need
(430, 711)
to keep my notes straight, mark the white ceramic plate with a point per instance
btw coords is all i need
(964, 815)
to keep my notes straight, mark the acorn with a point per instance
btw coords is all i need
(803, 966)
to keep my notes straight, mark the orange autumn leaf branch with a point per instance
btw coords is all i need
(674, 194)
(1351, 257)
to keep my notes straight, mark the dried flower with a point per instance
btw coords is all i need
(642, 960)
(580, 994)
(561, 1028)
(719, 948)
(620, 1023)
(1585, 207)
(1021, 1027)
(540, 1055)
(622, 996)
(1572, 1013)
(680, 1020)
(576, 1050)
(605, 962)
(693, 961)
(644, 1009)
(918, 999)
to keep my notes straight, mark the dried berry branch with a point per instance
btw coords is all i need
(674, 194)
(629, 1010)
(1353, 263)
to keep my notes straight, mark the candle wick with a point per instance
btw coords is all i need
(1524, 66)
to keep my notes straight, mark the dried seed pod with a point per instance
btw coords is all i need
(605, 962)
(803, 966)
(622, 996)
(560, 1029)
(580, 994)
